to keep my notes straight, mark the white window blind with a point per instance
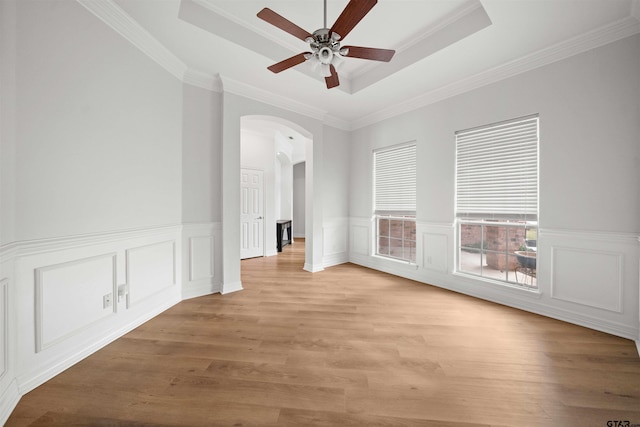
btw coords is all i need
(395, 180)
(497, 170)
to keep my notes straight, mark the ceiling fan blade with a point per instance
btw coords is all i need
(284, 24)
(351, 15)
(370, 53)
(332, 81)
(288, 63)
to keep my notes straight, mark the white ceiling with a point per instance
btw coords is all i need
(443, 47)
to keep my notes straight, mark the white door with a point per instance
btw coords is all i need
(251, 214)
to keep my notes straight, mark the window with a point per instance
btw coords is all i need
(497, 201)
(394, 171)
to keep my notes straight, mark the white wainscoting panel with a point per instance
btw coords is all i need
(435, 252)
(4, 327)
(360, 236)
(201, 258)
(150, 270)
(589, 277)
(69, 297)
(54, 290)
(335, 241)
(201, 249)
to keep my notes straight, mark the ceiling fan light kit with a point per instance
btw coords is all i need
(326, 53)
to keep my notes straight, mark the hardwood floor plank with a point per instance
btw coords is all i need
(263, 393)
(296, 417)
(285, 374)
(347, 346)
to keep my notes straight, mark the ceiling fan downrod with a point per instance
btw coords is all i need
(325, 46)
(325, 14)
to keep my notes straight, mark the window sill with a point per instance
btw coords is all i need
(396, 261)
(497, 284)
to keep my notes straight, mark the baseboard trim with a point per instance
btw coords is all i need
(312, 268)
(228, 288)
(199, 290)
(8, 401)
(335, 259)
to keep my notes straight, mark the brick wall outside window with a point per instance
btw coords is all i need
(397, 237)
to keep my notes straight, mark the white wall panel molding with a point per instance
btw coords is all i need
(57, 362)
(594, 236)
(69, 297)
(360, 230)
(9, 395)
(115, 17)
(202, 246)
(593, 278)
(335, 240)
(434, 246)
(63, 243)
(201, 264)
(4, 328)
(150, 269)
(593, 275)
(58, 287)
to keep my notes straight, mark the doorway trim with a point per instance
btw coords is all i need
(234, 108)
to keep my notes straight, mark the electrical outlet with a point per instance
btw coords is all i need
(107, 300)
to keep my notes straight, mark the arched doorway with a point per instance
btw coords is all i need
(270, 147)
(236, 110)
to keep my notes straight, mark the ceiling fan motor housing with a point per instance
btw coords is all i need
(325, 45)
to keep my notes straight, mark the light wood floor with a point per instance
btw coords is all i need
(344, 347)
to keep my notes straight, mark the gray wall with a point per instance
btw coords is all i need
(589, 133)
(201, 155)
(298, 199)
(98, 146)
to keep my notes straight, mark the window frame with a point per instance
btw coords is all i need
(508, 224)
(404, 211)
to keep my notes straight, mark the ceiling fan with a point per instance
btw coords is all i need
(326, 53)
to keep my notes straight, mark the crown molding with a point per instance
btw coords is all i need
(470, 7)
(615, 31)
(120, 21)
(208, 4)
(242, 89)
(202, 80)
